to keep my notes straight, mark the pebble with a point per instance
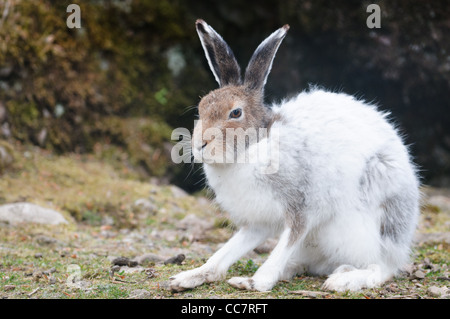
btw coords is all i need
(310, 294)
(37, 275)
(140, 294)
(419, 274)
(38, 255)
(17, 213)
(435, 291)
(9, 287)
(145, 205)
(45, 240)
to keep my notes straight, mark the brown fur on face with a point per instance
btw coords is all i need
(214, 111)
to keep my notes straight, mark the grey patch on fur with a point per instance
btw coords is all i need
(398, 209)
(291, 189)
(395, 222)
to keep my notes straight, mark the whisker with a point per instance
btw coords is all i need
(188, 109)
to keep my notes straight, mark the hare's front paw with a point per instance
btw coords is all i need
(192, 278)
(250, 284)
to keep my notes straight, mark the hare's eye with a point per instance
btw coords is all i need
(236, 113)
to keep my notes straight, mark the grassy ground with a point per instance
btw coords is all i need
(75, 260)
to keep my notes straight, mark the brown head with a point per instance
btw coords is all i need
(237, 106)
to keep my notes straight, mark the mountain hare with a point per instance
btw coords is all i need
(343, 198)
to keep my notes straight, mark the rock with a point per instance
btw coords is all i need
(38, 255)
(18, 213)
(140, 294)
(5, 130)
(310, 294)
(178, 192)
(113, 270)
(107, 221)
(45, 240)
(131, 270)
(42, 136)
(145, 205)
(419, 274)
(37, 275)
(9, 287)
(432, 238)
(194, 224)
(2, 111)
(443, 202)
(409, 269)
(194, 227)
(6, 157)
(266, 247)
(435, 291)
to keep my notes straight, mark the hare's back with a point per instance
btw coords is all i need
(336, 123)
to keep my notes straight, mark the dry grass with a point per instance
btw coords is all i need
(99, 201)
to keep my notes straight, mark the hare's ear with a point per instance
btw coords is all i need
(261, 62)
(220, 58)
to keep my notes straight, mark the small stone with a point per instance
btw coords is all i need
(435, 291)
(113, 270)
(38, 255)
(145, 206)
(131, 270)
(409, 269)
(140, 294)
(9, 287)
(419, 274)
(266, 247)
(37, 275)
(45, 240)
(178, 192)
(52, 280)
(310, 294)
(392, 288)
(18, 213)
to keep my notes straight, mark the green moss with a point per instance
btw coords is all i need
(140, 142)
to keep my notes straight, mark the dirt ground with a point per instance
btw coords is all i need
(159, 231)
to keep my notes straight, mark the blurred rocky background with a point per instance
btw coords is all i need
(116, 87)
(86, 116)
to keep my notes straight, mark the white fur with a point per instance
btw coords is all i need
(328, 144)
